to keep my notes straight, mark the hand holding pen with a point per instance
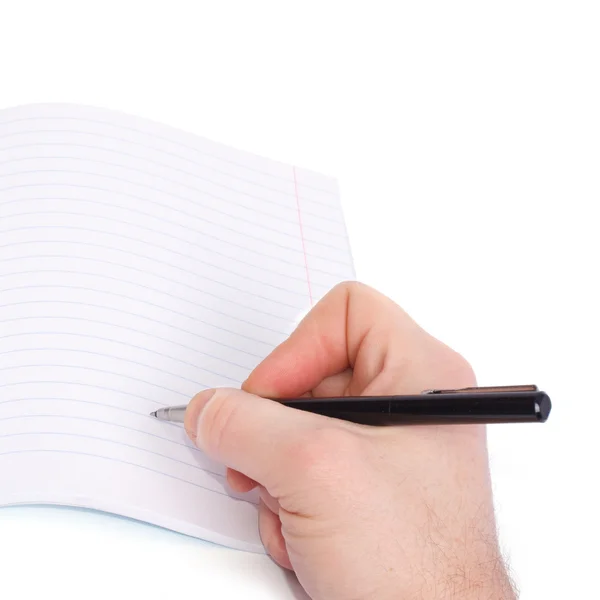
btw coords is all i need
(359, 511)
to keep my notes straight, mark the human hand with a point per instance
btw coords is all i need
(357, 511)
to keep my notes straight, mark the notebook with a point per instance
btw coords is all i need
(139, 265)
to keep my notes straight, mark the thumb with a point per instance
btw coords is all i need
(256, 436)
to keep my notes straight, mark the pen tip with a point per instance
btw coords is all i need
(153, 414)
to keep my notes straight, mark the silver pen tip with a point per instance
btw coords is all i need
(153, 414)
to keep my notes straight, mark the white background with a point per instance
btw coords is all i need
(466, 136)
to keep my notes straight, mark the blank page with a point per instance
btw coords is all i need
(138, 266)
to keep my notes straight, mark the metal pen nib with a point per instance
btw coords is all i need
(174, 414)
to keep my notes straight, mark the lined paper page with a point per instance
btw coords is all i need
(138, 266)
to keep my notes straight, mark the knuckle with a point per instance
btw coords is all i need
(460, 370)
(451, 368)
(342, 286)
(365, 295)
(345, 288)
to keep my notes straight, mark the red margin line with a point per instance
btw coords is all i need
(302, 236)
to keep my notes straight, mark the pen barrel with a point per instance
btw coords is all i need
(433, 409)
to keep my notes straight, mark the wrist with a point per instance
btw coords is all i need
(485, 585)
(487, 580)
(492, 583)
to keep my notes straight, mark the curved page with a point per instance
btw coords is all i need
(138, 266)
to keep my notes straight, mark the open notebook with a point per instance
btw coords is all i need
(138, 266)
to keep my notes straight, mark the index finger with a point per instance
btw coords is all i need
(351, 327)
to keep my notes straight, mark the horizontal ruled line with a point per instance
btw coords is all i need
(156, 231)
(184, 213)
(153, 260)
(120, 326)
(72, 287)
(109, 356)
(259, 224)
(170, 167)
(87, 385)
(124, 462)
(160, 137)
(103, 339)
(97, 438)
(113, 264)
(91, 402)
(94, 370)
(188, 446)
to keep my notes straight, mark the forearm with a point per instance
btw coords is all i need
(480, 582)
(460, 559)
(482, 576)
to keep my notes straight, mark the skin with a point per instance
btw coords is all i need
(360, 512)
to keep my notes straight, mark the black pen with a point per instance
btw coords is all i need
(503, 404)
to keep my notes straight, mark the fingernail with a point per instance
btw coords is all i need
(193, 412)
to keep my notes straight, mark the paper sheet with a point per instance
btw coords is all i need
(138, 266)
